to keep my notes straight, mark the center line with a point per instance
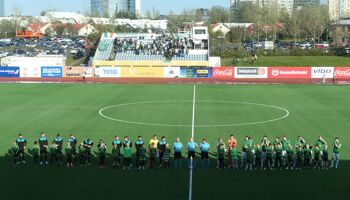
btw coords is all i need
(193, 118)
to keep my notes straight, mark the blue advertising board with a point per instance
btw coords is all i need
(196, 72)
(9, 72)
(51, 72)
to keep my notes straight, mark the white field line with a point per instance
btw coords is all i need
(193, 120)
(198, 125)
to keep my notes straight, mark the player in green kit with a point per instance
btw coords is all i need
(142, 157)
(258, 157)
(278, 155)
(290, 158)
(69, 154)
(35, 152)
(300, 141)
(127, 156)
(14, 152)
(102, 148)
(234, 158)
(320, 142)
(299, 157)
(218, 146)
(53, 153)
(317, 157)
(221, 156)
(285, 147)
(336, 153)
(245, 145)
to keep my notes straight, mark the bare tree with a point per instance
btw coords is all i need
(315, 21)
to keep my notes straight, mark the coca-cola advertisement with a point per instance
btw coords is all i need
(342, 72)
(223, 72)
(289, 72)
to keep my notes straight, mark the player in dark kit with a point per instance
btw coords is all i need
(102, 147)
(73, 143)
(307, 156)
(317, 157)
(21, 143)
(14, 153)
(161, 148)
(117, 145)
(138, 144)
(59, 154)
(43, 144)
(82, 154)
(88, 143)
(69, 154)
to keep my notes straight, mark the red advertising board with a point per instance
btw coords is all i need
(289, 72)
(342, 72)
(223, 72)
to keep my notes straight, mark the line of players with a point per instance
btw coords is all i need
(279, 154)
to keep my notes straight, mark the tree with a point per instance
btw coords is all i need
(235, 35)
(315, 21)
(293, 25)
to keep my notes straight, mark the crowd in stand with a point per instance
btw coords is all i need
(278, 154)
(167, 45)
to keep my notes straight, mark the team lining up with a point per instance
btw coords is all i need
(279, 154)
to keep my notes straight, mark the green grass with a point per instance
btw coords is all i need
(73, 108)
(266, 61)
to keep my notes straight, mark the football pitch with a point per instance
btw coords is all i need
(101, 111)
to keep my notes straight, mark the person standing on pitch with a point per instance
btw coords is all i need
(204, 147)
(325, 157)
(177, 152)
(138, 144)
(21, 143)
(69, 154)
(161, 148)
(73, 143)
(336, 153)
(102, 147)
(88, 143)
(285, 146)
(59, 154)
(14, 152)
(117, 145)
(218, 146)
(43, 143)
(264, 144)
(231, 144)
(191, 148)
(245, 146)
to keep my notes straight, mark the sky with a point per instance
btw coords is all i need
(34, 7)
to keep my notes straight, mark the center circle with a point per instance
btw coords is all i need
(218, 111)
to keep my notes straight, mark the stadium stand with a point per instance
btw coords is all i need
(153, 47)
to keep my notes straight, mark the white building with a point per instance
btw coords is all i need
(66, 17)
(338, 9)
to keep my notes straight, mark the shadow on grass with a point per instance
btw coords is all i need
(33, 181)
